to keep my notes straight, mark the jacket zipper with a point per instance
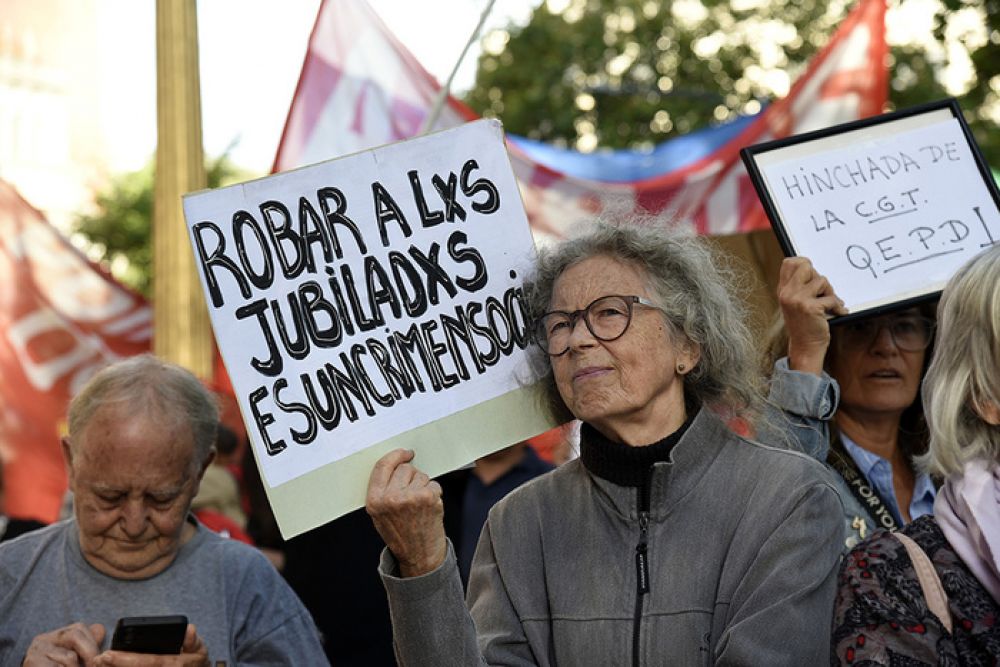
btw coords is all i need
(641, 565)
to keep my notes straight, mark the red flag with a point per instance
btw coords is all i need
(61, 320)
(846, 81)
(360, 88)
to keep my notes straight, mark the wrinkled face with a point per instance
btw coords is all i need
(631, 380)
(133, 482)
(876, 377)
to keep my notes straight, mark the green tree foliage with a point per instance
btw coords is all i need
(634, 73)
(982, 101)
(119, 232)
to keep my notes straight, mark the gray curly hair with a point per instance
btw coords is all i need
(145, 384)
(696, 287)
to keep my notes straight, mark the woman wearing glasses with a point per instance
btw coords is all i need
(671, 540)
(874, 366)
(930, 594)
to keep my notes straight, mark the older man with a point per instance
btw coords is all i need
(141, 434)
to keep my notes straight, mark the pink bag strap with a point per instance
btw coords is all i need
(930, 582)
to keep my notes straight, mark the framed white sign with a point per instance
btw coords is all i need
(367, 303)
(887, 208)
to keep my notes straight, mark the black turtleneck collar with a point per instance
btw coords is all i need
(623, 464)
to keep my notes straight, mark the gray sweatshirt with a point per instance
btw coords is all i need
(243, 610)
(742, 543)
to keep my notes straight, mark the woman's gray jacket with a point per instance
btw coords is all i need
(743, 542)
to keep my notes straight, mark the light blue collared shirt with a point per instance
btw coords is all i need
(878, 472)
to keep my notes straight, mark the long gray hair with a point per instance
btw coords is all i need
(965, 372)
(145, 384)
(696, 288)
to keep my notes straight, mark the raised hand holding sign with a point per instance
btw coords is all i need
(369, 303)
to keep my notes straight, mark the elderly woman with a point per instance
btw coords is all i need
(872, 367)
(948, 615)
(671, 540)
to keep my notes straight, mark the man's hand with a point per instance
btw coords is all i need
(193, 653)
(75, 644)
(408, 513)
(806, 298)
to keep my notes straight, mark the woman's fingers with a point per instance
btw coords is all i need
(386, 466)
(806, 299)
(800, 283)
(406, 507)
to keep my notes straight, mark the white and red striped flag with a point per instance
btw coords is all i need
(361, 88)
(61, 320)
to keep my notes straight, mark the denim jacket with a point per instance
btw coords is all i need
(804, 404)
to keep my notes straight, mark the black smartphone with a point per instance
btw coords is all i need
(162, 635)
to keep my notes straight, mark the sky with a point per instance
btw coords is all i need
(251, 53)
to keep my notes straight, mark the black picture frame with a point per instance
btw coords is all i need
(757, 156)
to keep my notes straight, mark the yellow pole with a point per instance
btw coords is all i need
(182, 331)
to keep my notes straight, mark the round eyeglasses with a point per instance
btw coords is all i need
(607, 319)
(911, 333)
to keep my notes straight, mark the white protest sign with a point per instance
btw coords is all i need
(368, 303)
(887, 212)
